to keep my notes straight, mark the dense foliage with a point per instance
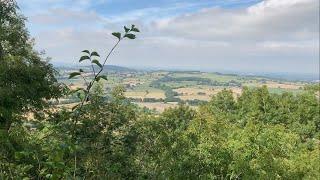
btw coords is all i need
(26, 82)
(258, 135)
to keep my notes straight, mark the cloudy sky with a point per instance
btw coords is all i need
(233, 35)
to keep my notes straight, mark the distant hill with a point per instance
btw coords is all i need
(276, 76)
(114, 68)
(108, 68)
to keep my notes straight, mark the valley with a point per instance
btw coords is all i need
(161, 89)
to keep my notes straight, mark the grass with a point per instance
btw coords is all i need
(188, 89)
(212, 76)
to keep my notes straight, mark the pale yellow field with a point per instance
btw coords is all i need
(132, 81)
(143, 94)
(74, 86)
(193, 93)
(271, 84)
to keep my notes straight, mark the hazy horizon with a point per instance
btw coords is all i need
(291, 76)
(270, 36)
(180, 68)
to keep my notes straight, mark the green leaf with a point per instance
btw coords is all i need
(133, 26)
(74, 74)
(94, 54)
(48, 176)
(86, 51)
(102, 77)
(25, 169)
(81, 95)
(84, 58)
(117, 34)
(126, 29)
(135, 29)
(130, 36)
(97, 63)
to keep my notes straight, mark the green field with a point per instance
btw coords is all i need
(179, 86)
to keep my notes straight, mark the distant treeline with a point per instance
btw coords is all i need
(193, 102)
(198, 80)
(169, 93)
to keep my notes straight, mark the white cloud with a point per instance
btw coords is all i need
(273, 35)
(264, 20)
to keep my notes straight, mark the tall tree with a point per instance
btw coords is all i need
(26, 81)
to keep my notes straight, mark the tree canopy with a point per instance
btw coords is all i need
(25, 78)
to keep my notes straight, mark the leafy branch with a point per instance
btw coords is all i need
(83, 93)
(93, 57)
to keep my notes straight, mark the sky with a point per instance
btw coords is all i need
(220, 35)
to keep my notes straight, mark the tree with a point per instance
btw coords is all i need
(12, 31)
(26, 81)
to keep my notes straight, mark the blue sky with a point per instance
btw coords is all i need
(116, 7)
(234, 35)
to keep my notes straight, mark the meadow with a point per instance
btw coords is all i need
(161, 89)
